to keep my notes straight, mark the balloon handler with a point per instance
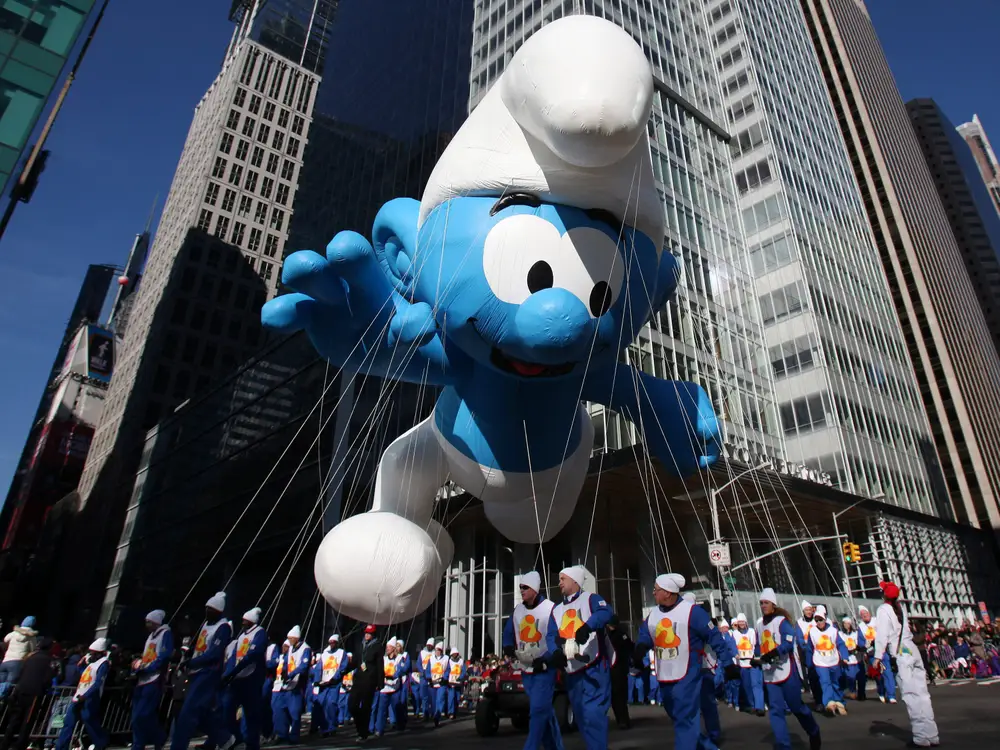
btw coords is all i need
(534, 257)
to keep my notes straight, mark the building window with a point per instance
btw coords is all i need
(239, 228)
(234, 120)
(753, 176)
(297, 125)
(287, 170)
(269, 111)
(229, 200)
(254, 244)
(254, 104)
(241, 149)
(258, 156)
(282, 195)
(264, 133)
(783, 303)
(261, 216)
(266, 187)
(272, 163)
(277, 219)
(283, 118)
(219, 171)
(279, 140)
(212, 194)
(271, 246)
(246, 203)
(227, 143)
(266, 270)
(205, 220)
(251, 183)
(293, 147)
(222, 227)
(235, 174)
(248, 126)
(241, 96)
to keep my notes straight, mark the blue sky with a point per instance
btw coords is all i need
(115, 146)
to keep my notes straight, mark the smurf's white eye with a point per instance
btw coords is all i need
(518, 257)
(525, 254)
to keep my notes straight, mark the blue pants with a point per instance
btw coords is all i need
(380, 715)
(814, 687)
(399, 705)
(888, 687)
(543, 728)
(636, 684)
(266, 715)
(342, 713)
(851, 678)
(88, 713)
(752, 688)
(200, 710)
(417, 690)
(682, 702)
(429, 700)
(244, 693)
(709, 707)
(590, 695)
(653, 687)
(286, 706)
(454, 696)
(146, 729)
(329, 701)
(788, 696)
(829, 682)
(439, 701)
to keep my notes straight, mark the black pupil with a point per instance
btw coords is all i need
(540, 277)
(600, 299)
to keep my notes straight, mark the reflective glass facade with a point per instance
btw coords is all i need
(710, 333)
(36, 38)
(848, 401)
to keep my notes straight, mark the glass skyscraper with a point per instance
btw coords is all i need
(848, 401)
(36, 39)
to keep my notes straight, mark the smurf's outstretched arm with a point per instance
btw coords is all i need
(355, 318)
(675, 417)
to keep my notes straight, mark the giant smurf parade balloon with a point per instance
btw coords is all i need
(532, 260)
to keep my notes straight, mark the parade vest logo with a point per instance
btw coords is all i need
(850, 642)
(85, 679)
(425, 657)
(331, 663)
(529, 630)
(571, 622)
(389, 669)
(825, 643)
(201, 645)
(149, 655)
(767, 644)
(870, 634)
(243, 646)
(744, 646)
(437, 670)
(348, 679)
(666, 640)
(456, 671)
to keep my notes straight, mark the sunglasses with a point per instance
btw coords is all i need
(525, 588)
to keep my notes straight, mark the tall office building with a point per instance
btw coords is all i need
(849, 403)
(949, 343)
(986, 159)
(968, 202)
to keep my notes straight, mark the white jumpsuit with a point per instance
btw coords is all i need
(911, 676)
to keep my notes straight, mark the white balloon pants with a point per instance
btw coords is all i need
(913, 684)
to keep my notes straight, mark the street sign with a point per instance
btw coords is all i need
(718, 554)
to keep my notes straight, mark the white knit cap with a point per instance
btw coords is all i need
(576, 572)
(217, 602)
(567, 121)
(439, 645)
(863, 608)
(848, 620)
(295, 632)
(454, 650)
(672, 582)
(740, 618)
(689, 597)
(723, 623)
(430, 642)
(399, 644)
(252, 615)
(101, 644)
(820, 612)
(767, 595)
(533, 581)
(805, 604)
(334, 637)
(157, 616)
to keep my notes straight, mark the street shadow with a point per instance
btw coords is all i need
(888, 729)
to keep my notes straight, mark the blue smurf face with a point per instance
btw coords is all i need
(534, 289)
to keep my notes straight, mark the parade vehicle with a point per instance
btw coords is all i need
(503, 697)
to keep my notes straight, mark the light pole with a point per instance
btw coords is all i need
(843, 561)
(716, 531)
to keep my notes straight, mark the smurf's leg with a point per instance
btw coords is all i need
(385, 566)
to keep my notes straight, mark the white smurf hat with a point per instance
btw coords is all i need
(566, 121)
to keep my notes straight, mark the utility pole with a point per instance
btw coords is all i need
(25, 186)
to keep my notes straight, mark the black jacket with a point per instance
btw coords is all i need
(372, 653)
(36, 675)
(623, 647)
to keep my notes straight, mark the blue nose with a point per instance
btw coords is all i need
(552, 327)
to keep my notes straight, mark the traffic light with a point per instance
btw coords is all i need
(852, 552)
(847, 551)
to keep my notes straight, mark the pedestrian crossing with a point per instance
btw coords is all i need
(968, 680)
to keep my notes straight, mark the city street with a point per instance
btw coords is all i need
(963, 710)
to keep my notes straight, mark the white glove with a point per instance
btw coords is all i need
(571, 648)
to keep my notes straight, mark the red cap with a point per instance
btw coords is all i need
(369, 628)
(889, 590)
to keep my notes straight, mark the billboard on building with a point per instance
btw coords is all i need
(100, 353)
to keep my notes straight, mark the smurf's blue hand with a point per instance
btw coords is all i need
(353, 316)
(675, 418)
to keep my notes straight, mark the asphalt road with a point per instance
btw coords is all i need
(966, 713)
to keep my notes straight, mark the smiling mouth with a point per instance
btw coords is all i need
(528, 369)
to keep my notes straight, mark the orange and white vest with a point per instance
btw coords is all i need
(86, 683)
(531, 626)
(868, 630)
(154, 642)
(851, 641)
(205, 637)
(824, 643)
(348, 682)
(568, 619)
(243, 642)
(425, 658)
(770, 637)
(294, 658)
(391, 670)
(454, 672)
(671, 634)
(331, 663)
(439, 667)
(745, 643)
